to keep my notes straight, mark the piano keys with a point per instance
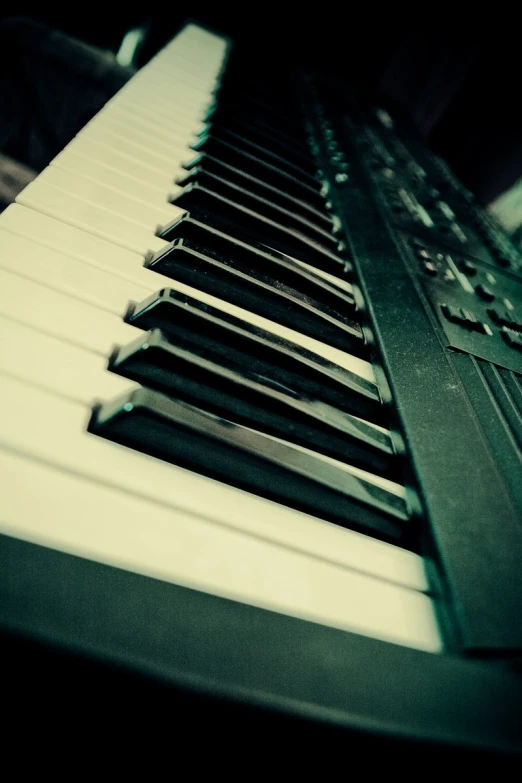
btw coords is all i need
(96, 233)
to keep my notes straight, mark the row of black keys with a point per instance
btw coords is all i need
(220, 392)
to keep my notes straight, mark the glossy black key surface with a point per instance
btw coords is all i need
(338, 276)
(259, 168)
(182, 434)
(296, 139)
(263, 205)
(333, 291)
(294, 153)
(207, 163)
(219, 336)
(238, 394)
(256, 290)
(257, 227)
(247, 105)
(305, 170)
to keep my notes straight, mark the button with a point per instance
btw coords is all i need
(512, 338)
(485, 293)
(464, 318)
(429, 268)
(505, 319)
(468, 268)
(424, 254)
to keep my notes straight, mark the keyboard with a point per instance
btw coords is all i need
(223, 396)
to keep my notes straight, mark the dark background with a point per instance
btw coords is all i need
(456, 78)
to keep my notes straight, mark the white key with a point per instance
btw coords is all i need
(127, 266)
(62, 315)
(145, 132)
(97, 522)
(89, 217)
(150, 123)
(102, 152)
(116, 201)
(71, 160)
(143, 152)
(57, 366)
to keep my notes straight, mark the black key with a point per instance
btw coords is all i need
(262, 170)
(245, 105)
(262, 205)
(240, 395)
(305, 171)
(296, 154)
(185, 435)
(296, 140)
(334, 292)
(338, 273)
(255, 227)
(225, 339)
(207, 163)
(252, 288)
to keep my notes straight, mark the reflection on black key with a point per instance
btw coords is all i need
(242, 396)
(182, 434)
(204, 162)
(335, 292)
(235, 277)
(337, 277)
(261, 229)
(226, 339)
(263, 205)
(261, 169)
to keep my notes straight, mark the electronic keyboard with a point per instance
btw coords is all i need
(261, 361)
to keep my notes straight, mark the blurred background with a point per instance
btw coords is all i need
(456, 80)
